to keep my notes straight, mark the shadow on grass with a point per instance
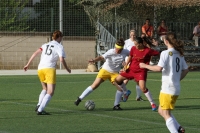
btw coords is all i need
(189, 98)
(140, 130)
(188, 107)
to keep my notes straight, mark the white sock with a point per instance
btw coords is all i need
(86, 92)
(138, 91)
(171, 125)
(123, 87)
(45, 101)
(41, 96)
(176, 122)
(149, 97)
(118, 96)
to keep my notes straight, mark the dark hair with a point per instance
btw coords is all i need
(162, 20)
(148, 41)
(120, 42)
(147, 19)
(139, 40)
(177, 44)
(57, 34)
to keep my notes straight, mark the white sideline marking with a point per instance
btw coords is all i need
(100, 115)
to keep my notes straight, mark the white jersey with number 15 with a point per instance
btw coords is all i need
(50, 54)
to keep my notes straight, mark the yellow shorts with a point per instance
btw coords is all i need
(167, 101)
(47, 75)
(103, 74)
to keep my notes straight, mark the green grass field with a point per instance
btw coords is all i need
(19, 96)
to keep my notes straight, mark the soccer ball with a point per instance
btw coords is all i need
(89, 105)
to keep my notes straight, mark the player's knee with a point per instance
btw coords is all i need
(118, 81)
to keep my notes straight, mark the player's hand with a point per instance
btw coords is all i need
(91, 61)
(125, 68)
(69, 70)
(142, 65)
(123, 63)
(25, 68)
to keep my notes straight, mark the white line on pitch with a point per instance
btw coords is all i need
(100, 115)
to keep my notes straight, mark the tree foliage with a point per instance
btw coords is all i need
(75, 20)
(137, 10)
(11, 16)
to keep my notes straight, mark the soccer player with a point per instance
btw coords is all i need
(110, 69)
(50, 53)
(129, 43)
(139, 53)
(174, 68)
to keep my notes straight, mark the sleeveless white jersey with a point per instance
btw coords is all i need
(50, 54)
(128, 44)
(114, 61)
(172, 64)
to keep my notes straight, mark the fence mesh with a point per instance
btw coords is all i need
(26, 24)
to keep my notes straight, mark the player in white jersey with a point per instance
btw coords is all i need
(174, 68)
(110, 70)
(129, 43)
(50, 53)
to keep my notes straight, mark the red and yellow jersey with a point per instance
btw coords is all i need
(141, 56)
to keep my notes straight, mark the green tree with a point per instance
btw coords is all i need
(75, 20)
(11, 16)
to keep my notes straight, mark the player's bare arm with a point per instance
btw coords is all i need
(99, 58)
(32, 57)
(62, 60)
(152, 68)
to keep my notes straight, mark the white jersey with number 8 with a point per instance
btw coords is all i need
(50, 54)
(173, 64)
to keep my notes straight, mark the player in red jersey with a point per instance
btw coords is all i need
(138, 54)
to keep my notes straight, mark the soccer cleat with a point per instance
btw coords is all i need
(36, 108)
(125, 98)
(154, 107)
(42, 113)
(181, 130)
(77, 101)
(117, 107)
(139, 99)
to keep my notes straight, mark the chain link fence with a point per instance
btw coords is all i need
(25, 25)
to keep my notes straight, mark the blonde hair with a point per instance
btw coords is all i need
(132, 30)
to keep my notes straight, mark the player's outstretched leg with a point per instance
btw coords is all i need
(86, 92)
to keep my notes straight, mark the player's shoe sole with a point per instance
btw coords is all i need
(42, 113)
(117, 107)
(154, 107)
(181, 130)
(125, 98)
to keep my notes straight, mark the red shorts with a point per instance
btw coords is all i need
(140, 75)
